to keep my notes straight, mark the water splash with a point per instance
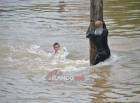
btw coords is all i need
(36, 58)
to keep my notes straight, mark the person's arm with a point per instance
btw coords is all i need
(88, 30)
(89, 33)
(105, 28)
(104, 25)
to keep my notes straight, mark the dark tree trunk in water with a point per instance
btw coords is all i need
(96, 13)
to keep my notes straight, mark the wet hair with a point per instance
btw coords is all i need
(98, 24)
(56, 44)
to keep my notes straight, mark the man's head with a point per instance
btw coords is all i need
(98, 24)
(56, 46)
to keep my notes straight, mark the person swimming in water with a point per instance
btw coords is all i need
(56, 47)
(58, 52)
(100, 40)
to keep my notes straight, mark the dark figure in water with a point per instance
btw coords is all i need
(99, 37)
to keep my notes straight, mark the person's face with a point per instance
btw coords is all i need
(56, 48)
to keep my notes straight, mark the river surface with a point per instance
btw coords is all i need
(28, 29)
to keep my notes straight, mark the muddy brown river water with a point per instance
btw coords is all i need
(28, 29)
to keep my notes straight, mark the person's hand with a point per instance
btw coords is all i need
(89, 34)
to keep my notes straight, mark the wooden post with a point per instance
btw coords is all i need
(96, 13)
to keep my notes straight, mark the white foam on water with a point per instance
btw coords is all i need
(36, 50)
(33, 49)
(13, 49)
(42, 60)
(9, 59)
(112, 59)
